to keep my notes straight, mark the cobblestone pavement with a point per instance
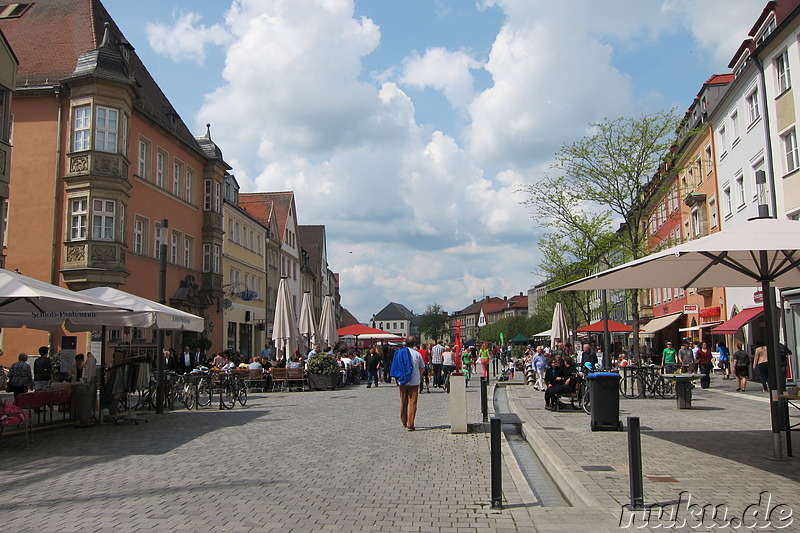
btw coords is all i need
(290, 462)
(719, 453)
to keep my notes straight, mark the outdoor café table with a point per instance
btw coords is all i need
(790, 401)
(42, 398)
(683, 387)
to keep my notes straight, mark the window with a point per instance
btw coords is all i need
(709, 159)
(175, 248)
(206, 258)
(144, 159)
(782, 80)
(699, 163)
(252, 241)
(188, 252)
(215, 265)
(161, 161)
(107, 125)
(667, 294)
(236, 232)
(177, 178)
(5, 114)
(78, 213)
(753, 110)
(722, 140)
(217, 197)
(727, 207)
(189, 186)
(157, 240)
(103, 215)
(696, 222)
(790, 149)
(739, 183)
(82, 127)
(712, 211)
(140, 236)
(208, 197)
(657, 299)
(246, 281)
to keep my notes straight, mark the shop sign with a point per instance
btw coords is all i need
(758, 296)
(691, 309)
(709, 311)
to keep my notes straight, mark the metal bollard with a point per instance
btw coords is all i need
(497, 467)
(485, 399)
(635, 462)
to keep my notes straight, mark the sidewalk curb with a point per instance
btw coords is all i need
(575, 491)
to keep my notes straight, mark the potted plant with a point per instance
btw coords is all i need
(323, 371)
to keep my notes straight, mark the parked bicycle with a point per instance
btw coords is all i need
(182, 391)
(232, 388)
(639, 381)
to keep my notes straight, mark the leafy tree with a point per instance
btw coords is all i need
(600, 182)
(434, 323)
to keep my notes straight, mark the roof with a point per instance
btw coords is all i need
(312, 239)
(347, 318)
(257, 203)
(75, 28)
(394, 311)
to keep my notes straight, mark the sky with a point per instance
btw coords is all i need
(408, 127)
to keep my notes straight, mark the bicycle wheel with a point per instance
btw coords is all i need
(585, 399)
(204, 392)
(241, 393)
(190, 396)
(172, 395)
(631, 385)
(227, 396)
(665, 388)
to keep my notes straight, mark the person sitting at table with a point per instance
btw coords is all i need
(228, 365)
(255, 364)
(293, 362)
(20, 376)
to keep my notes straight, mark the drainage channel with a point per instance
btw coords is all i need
(546, 491)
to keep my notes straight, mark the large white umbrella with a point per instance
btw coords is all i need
(284, 330)
(558, 329)
(28, 302)
(308, 326)
(759, 252)
(146, 313)
(327, 323)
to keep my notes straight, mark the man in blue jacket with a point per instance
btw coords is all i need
(407, 366)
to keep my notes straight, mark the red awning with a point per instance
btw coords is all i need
(613, 326)
(733, 325)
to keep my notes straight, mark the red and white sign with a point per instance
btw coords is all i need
(691, 309)
(758, 296)
(709, 311)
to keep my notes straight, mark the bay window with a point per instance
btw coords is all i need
(78, 208)
(103, 218)
(107, 125)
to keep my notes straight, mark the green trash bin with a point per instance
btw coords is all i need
(604, 401)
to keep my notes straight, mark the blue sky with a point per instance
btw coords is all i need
(407, 126)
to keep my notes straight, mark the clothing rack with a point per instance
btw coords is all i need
(127, 377)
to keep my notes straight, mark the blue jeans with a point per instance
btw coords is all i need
(372, 375)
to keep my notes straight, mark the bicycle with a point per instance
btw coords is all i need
(643, 380)
(204, 391)
(183, 391)
(228, 391)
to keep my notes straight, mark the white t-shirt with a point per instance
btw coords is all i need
(416, 360)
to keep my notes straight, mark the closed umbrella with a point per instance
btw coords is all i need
(761, 252)
(327, 324)
(284, 330)
(558, 330)
(307, 326)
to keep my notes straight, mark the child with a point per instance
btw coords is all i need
(511, 366)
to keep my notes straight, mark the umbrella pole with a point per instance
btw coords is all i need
(775, 379)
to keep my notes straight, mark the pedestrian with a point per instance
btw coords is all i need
(511, 367)
(669, 354)
(741, 367)
(426, 358)
(724, 360)
(20, 376)
(407, 366)
(706, 366)
(42, 369)
(484, 357)
(436, 363)
(686, 357)
(448, 365)
(761, 363)
(373, 363)
(387, 352)
(540, 365)
(466, 364)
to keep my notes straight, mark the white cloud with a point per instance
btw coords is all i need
(186, 38)
(443, 70)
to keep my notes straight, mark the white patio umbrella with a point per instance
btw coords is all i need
(146, 313)
(327, 324)
(284, 330)
(558, 330)
(761, 252)
(28, 302)
(307, 326)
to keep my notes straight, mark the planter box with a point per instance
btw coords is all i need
(323, 381)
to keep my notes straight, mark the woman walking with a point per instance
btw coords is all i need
(741, 367)
(760, 363)
(484, 358)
